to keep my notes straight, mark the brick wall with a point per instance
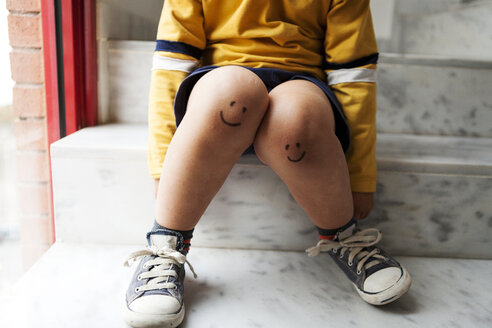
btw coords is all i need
(26, 59)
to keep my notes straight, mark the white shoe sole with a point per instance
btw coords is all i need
(146, 320)
(389, 295)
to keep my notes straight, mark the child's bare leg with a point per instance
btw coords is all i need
(224, 111)
(297, 140)
(314, 168)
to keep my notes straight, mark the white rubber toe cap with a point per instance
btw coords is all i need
(382, 280)
(155, 304)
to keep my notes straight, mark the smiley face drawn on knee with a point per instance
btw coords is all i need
(232, 106)
(295, 154)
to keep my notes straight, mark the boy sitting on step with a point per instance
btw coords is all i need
(293, 81)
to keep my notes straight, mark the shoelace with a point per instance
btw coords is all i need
(355, 245)
(162, 270)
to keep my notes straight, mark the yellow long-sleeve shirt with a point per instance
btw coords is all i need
(330, 39)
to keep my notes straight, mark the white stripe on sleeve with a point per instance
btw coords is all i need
(173, 64)
(351, 75)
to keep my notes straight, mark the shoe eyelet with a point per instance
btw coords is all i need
(359, 272)
(139, 278)
(137, 290)
(341, 256)
(351, 263)
(334, 250)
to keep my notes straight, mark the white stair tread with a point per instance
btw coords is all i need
(109, 141)
(434, 60)
(83, 285)
(395, 152)
(434, 154)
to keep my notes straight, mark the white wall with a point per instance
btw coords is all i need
(6, 82)
(9, 209)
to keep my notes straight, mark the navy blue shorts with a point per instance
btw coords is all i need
(271, 78)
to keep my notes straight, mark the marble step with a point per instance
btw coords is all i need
(464, 31)
(417, 94)
(83, 285)
(432, 200)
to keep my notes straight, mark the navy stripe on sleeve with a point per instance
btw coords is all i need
(371, 59)
(178, 47)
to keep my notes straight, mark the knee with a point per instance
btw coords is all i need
(294, 129)
(293, 139)
(229, 97)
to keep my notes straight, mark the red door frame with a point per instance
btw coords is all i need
(80, 63)
(50, 71)
(69, 31)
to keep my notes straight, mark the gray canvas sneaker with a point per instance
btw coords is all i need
(378, 278)
(155, 295)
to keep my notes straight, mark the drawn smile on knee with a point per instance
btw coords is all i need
(227, 122)
(294, 159)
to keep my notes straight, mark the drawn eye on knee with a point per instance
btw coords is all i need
(233, 108)
(297, 153)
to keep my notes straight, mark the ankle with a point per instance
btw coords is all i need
(186, 234)
(330, 234)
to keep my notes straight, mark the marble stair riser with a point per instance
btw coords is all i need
(462, 31)
(422, 7)
(108, 201)
(418, 8)
(111, 201)
(427, 100)
(416, 99)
